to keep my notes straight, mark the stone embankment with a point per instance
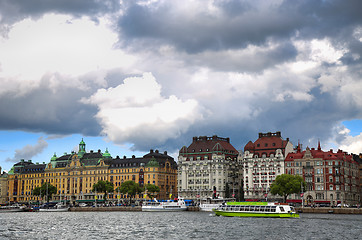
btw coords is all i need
(193, 209)
(330, 210)
(106, 209)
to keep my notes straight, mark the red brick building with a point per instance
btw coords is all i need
(331, 177)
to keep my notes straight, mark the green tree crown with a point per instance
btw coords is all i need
(287, 184)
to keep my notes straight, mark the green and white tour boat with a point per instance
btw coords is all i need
(256, 209)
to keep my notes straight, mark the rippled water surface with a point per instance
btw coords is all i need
(173, 225)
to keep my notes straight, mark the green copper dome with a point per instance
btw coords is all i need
(106, 154)
(81, 148)
(54, 157)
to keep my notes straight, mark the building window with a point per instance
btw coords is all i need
(330, 187)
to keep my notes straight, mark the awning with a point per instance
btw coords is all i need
(294, 200)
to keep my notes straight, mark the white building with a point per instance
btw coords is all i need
(262, 161)
(207, 167)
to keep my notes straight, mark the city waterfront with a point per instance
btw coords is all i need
(172, 225)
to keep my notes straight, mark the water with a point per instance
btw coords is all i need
(174, 225)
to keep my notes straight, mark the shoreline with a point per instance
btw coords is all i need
(326, 210)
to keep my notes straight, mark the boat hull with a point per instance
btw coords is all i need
(53, 209)
(255, 214)
(11, 210)
(163, 209)
(208, 207)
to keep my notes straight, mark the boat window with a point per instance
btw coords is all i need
(267, 209)
(281, 209)
(242, 208)
(262, 208)
(257, 208)
(273, 209)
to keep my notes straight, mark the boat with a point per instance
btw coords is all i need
(59, 207)
(256, 209)
(206, 205)
(12, 208)
(164, 206)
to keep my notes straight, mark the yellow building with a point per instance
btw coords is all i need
(3, 188)
(75, 174)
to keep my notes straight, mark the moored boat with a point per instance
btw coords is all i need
(59, 207)
(12, 208)
(164, 206)
(208, 204)
(256, 209)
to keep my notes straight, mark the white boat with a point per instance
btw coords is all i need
(166, 206)
(256, 209)
(12, 208)
(59, 207)
(208, 204)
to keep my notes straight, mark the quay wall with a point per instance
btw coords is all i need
(106, 209)
(193, 209)
(330, 210)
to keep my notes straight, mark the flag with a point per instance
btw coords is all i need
(170, 195)
(95, 197)
(144, 195)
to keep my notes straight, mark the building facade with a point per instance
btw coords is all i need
(262, 161)
(331, 177)
(207, 168)
(75, 174)
(3, 188)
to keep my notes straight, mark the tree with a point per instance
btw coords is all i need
(152, 190)
(131, 188)
(287, 184)
(46, 189)
(104, 187)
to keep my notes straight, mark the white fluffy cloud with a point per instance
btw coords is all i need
(61, 46)
(136, 110)
(352, 144)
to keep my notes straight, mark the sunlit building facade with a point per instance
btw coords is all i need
(3, 188)
(75, 174)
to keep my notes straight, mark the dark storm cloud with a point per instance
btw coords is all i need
(13, 10)
(53, 111)
(241, 23)
(160, 25)
(253, 61)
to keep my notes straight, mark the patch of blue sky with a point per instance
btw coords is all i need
(12, 141)
(355, 126)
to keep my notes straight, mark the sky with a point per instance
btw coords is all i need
(136, 75)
